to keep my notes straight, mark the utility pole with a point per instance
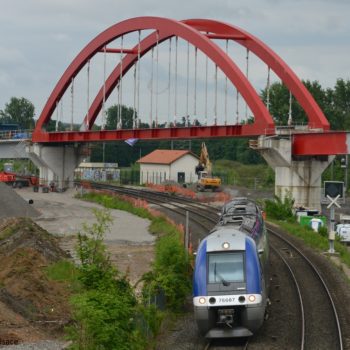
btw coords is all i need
(334, 190)
(187, 233)
(103, 152)
(344, 164)
(346, 173)
(332, 170)
(331, 234)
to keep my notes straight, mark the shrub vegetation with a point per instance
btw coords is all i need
(106, 312)
(281, 213)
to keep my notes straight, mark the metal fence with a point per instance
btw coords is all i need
(15, 134)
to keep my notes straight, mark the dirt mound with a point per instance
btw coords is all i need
(13, 205)
(31, 305)
(18, 233)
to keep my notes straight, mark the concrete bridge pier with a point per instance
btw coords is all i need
(56, 163)
(301, 177)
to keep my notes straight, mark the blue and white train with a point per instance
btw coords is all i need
(230, 286)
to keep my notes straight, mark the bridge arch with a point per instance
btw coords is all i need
(166, 29)
(199, 33)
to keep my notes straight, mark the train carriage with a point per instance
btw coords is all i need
(230, 283)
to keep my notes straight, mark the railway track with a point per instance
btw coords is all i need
(227, 344)
(319, 321)
(319, 326)
(202, 215)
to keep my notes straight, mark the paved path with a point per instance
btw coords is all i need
(63, 215)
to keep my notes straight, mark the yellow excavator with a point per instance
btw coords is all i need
(203, 170)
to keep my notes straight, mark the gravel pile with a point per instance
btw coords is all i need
(13, 205)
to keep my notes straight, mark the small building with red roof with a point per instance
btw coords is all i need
(168, 165)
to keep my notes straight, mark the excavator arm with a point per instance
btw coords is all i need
(204, 159)
(204, 171)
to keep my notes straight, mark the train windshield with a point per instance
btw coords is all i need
(226, 267)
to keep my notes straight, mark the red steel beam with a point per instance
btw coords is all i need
(110, 50)
(327, 143)
(147, 134)
(226, 36)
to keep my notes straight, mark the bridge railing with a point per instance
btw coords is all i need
(15, 134)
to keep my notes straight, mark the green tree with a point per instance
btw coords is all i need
(335, 103)
(104, 311)
(19, 111)
(279, 105)
(338, 107)
(127, 114)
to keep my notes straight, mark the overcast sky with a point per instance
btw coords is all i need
(39, 38)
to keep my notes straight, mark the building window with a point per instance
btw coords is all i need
(180, 177)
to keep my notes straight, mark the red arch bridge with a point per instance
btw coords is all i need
(184, 79)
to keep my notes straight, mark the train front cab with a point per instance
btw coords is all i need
(229, 289)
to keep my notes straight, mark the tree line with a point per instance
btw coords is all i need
(18, 111)
(334, 102)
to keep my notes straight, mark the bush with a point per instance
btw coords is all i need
(107, 314)
(171, 273)
(152, 319)
(171, 269)
(104, 319)
(278, 209)
(104, 311)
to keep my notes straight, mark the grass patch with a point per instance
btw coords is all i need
(247, 175)
(7, 232)
(113, 202)
(64, 271)
(313, 239)
(160, 226)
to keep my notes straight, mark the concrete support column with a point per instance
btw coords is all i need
(56, 163)
(299, 177)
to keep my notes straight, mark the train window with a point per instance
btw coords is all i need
(226, 267)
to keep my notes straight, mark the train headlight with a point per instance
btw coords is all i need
(201, 300)
(225, 245)
(251, 298)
